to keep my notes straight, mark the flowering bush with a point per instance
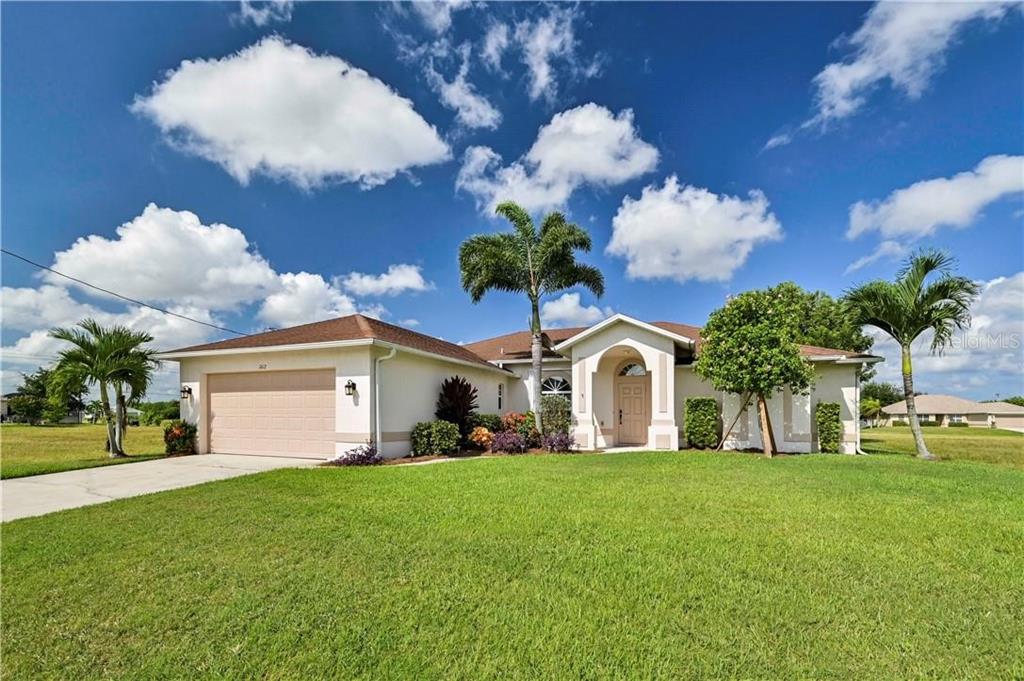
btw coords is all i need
(511, 421)
(508, 441)
(557, 413)
(481, 437)
(559, 443)
(180, 437)
(363, 455)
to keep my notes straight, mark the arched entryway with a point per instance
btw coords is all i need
(632, 408)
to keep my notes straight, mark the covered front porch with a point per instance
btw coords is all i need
(624, 375)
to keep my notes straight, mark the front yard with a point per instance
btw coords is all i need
(986, 445)
(633, 565)
(32, 450)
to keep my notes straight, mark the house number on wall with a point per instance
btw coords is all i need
(261, 366)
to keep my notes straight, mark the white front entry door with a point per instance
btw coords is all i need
(631, 427)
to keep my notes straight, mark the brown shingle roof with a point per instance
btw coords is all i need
(513, 346)
(352, 327)
(517, 345)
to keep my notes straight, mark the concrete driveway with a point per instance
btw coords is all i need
(41, 494)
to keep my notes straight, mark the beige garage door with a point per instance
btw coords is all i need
(1009, 421)
(273, 413)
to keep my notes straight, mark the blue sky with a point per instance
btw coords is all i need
(325, 179)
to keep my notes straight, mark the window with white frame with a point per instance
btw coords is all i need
(556, 385)
(633, 369)
(956, 418)
(501, 394)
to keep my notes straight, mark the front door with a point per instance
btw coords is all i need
(632, 412)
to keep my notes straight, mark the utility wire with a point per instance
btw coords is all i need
(118, 295)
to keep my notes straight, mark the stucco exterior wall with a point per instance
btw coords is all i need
(409, 388)
(594, 385)
(352, 414)
(519, 393)
(792, 416)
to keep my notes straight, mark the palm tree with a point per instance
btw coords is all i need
(110, 358)
(870, 409)
(531, 262)
(911, 305)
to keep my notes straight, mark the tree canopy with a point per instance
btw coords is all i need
(885, 393)
(749, 347)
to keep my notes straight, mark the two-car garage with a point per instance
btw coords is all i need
(273, 413)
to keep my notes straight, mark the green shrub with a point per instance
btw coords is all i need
(830, 428)
(491, 422)
(420, 438)
(180, 437)
(701, 422)
(445, 437)
(557, 414)
(929, 424)
(958, 425)
(435, 437)
(900, 424)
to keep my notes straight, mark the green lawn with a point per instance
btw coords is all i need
(644, 565)
(959, 444)
(31, 450)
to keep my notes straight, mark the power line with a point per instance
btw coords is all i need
(118, 295)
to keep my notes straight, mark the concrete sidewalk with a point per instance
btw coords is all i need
(41, 494)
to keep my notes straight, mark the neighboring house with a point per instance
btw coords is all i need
(943, 410)
(316, 390)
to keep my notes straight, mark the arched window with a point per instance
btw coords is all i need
(555, 386)
(633, 369)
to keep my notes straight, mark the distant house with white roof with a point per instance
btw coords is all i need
(945, 410)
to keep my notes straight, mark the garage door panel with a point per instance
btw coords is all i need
(288, 413)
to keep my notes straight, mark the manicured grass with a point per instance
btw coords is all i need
(959, 444)
(641, 565)
(31, 450)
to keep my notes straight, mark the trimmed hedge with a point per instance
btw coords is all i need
(958, 425)
(700, 425)
(491, 422)
(830, 428)
(557, 414)
(435, 437)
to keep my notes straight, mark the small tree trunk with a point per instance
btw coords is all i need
(111, 425)
(743, 407)
(767, 440)
(122, 417)
(908, 395)
(536, 354)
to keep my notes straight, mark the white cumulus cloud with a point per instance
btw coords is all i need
(165, 255)
(280, 110)
(904, 43)
(303, 298)
(923, 207)
(263, 13)
(588, 145)
(472, 110)
(496, 41)
(398, 279)
(683, 232)
(437, 15)
(567, 310)
(886, 250)
(547, 43)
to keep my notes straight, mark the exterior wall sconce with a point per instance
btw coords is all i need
(350, 388)
(186, 392)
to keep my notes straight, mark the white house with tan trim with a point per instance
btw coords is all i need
(320, 389)
(947, 410)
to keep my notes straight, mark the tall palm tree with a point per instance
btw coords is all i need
(110, 358)
(531, 262)
(911, 305)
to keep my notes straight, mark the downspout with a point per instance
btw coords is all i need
(376, 396)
